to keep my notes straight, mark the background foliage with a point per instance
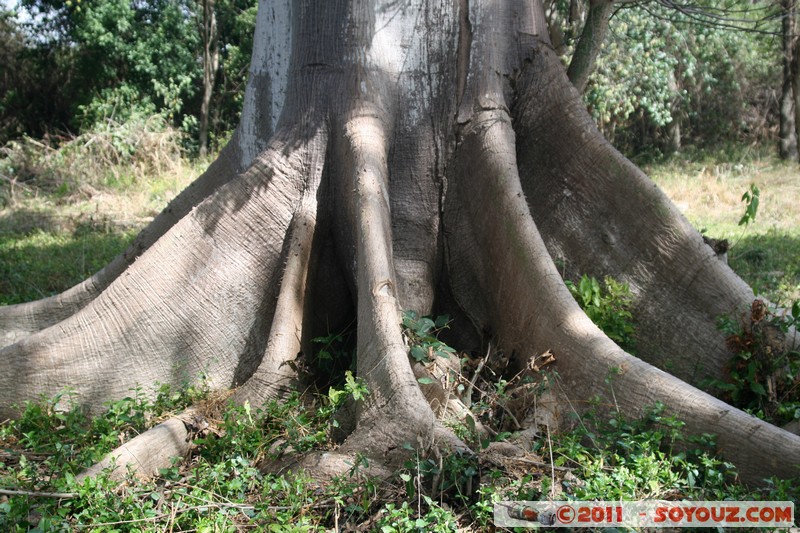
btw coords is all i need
(74, 64)
(712, 69)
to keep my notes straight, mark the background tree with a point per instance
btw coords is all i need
(210, 39)
(235, 22)
(31, 78)
(125, 57)
(664, 65)
(788, 128)
(88, 62)
(591, 41)
(393, 156)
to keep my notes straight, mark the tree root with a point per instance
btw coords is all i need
(146, 454)
(540, 314)
(628, 228)
(277, 374)
(231, 289)
(197, 303)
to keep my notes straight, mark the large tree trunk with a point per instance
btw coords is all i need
(417, 156)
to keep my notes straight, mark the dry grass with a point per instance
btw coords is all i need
(767, 253)
(110, 152)
(710, 195)
(123, 174)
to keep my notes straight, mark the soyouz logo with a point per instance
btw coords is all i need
(648, 513)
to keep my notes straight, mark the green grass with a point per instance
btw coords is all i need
(60, 225)
(770, 262)
(224, 485)
(42, 263)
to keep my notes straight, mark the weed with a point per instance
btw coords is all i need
(751, 199)
(422, 336)
(651, 458)
(220, 487)
(608, 306)
(764, 374)
(334, 354)
(450, 476)
(403, 518)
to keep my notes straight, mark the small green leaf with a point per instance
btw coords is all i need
(419, 353)
(758, 388)
(423, 326)
(470, 422)
(425, 381)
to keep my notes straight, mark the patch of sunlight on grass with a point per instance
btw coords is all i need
(767, 253)
(42, 263)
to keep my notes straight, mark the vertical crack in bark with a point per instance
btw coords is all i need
(464, 51)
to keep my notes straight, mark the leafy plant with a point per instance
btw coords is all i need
(751, 199)
(763, 374)
(334, 354)
(608, 306)
(616, 458)
(403, 518)
(422, 336)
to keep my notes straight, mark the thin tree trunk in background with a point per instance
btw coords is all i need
(588, 48)
(674, 127)
(210, 66)
(795, 69)
(788, 128)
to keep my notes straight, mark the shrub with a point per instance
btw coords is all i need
(109, 154)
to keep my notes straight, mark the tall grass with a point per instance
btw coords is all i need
(68, 205)
(110, 154)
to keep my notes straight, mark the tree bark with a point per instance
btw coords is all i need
(208, 32)
(589, 45)
(429, 157)
(788, 125)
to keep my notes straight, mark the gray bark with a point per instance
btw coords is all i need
(589, 45)
(209, 36)
(787, 147)
(425, 155)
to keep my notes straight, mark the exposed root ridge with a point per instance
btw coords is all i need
(277, 374)
(21, 320)
(195, 304)
(532, 311)
(395, 411)
(145, 454)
